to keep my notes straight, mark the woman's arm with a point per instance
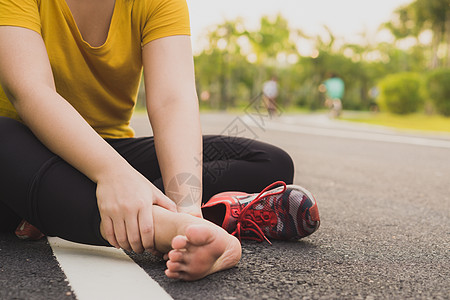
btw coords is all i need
(124, 196)
(173, 111)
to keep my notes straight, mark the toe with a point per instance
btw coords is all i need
(173, 275)
(179, 242)
(179, 275)
(199, 235)
(175, 266)
(176, 256)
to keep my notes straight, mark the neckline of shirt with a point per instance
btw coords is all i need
(69, 17)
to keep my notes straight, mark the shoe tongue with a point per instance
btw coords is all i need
(246, 199)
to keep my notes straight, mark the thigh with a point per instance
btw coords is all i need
(21, 157)
(38, 186)
(229, 163)
(240, 164)
(63, 203)
(141, 154)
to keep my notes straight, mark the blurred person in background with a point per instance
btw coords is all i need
(270, 94)
(334, 88)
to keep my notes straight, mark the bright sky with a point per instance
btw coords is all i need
(346, 18)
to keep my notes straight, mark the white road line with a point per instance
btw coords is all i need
(104, 273)
(351, 134)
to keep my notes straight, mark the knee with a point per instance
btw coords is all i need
(284, 165)
(278, 164)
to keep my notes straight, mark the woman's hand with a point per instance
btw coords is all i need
(125, 202)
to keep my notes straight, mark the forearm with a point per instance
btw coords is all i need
(61, 128)
(173, 111)
(178, 142)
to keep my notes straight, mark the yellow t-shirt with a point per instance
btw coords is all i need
(101, 83)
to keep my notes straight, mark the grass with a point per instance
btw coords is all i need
(420, 122)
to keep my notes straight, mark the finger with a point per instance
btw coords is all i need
(134, 235)
(107, 228)
(121, 234)
(164, 201)
(145, 218)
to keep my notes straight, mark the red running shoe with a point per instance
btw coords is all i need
(287, 212)
(26, 231)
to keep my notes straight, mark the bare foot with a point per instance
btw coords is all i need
(203, 250)
(197, 247)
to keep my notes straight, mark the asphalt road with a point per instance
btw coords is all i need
(384, 202)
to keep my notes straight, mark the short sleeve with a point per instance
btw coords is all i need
(20, 13)
(165, 18)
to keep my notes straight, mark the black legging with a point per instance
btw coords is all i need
(38, 186)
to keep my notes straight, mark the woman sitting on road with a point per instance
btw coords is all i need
(69, 74)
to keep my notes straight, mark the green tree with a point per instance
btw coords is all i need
(438, 88)
(271, 39)
(236, 61)
(269, 44)
(421, 15)
(221, 67)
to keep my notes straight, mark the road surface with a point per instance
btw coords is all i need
(384, 202)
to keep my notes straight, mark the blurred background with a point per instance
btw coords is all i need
(393, 57)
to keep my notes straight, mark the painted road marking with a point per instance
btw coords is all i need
(104, 273)
(352, 134)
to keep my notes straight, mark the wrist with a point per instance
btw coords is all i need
(114, 170)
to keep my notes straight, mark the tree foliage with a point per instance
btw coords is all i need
(425, 15)
(230, 71)
(438, 86)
